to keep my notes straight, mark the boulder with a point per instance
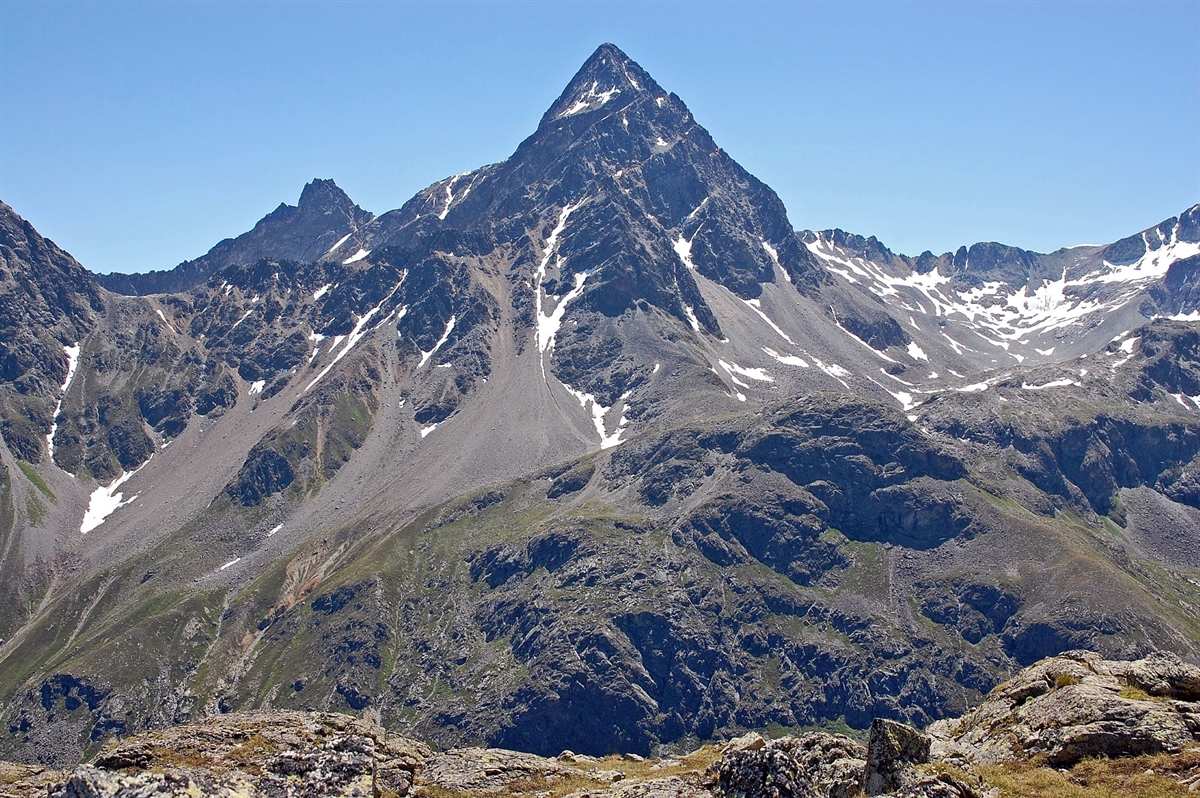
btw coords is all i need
(817, 764)
(1079, 705)
(892, 751)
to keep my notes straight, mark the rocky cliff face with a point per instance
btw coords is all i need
(584, 449)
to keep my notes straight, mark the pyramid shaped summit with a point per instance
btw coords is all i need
(608, 79)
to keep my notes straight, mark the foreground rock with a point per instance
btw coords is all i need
(291, 754)
(1058, 712)
(1079, 705)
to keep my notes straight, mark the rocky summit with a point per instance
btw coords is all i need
(592, 449)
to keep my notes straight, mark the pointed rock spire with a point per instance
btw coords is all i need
(608, 79)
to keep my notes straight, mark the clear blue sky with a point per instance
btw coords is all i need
(139, 134)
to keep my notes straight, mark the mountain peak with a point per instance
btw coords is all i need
(608, 78)
(323, 193)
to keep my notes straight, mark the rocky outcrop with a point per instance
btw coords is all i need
(262, 753)
(1079, 705)
(815, 764)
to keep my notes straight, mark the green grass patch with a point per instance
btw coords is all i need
(33, 476)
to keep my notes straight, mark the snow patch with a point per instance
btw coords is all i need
(72, 353)
(356, 335)
(774, 253)
(916, 352)
(977, 387)
(790, 360)
(591, 97)
(274, 530)
(245, 316)
(340, 241)
(751, 373)
(756, 306)
(257, 387)
(426, 430)
(599, 412)
(905, 399)
(230, 564)
(548, 323)
(683, 248)
(445, 337)
(322, 291)
(691, 317)
(1063, 383)
(450, 195)
(164, 318)
(105, 501)
(356, 257)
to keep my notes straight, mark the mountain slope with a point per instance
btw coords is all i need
(591, 428)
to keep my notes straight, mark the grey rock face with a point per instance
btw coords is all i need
(1080, 705)
(793, 767)
(892, 750)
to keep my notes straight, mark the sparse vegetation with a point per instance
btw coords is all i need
(33, 476)
(1160, 776)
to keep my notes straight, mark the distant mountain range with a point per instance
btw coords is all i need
(586, 449)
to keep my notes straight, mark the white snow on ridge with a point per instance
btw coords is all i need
(322, 291)
(257, 387)
(230, 564)
(591, 97)
(1004, 313)
(105, 501)
(356, 257)
(977, 387)
(450, 194)
(916, 352)
(1153, 264)
(691, 315)
(426, 430)
(72, 364)
(445, 337)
